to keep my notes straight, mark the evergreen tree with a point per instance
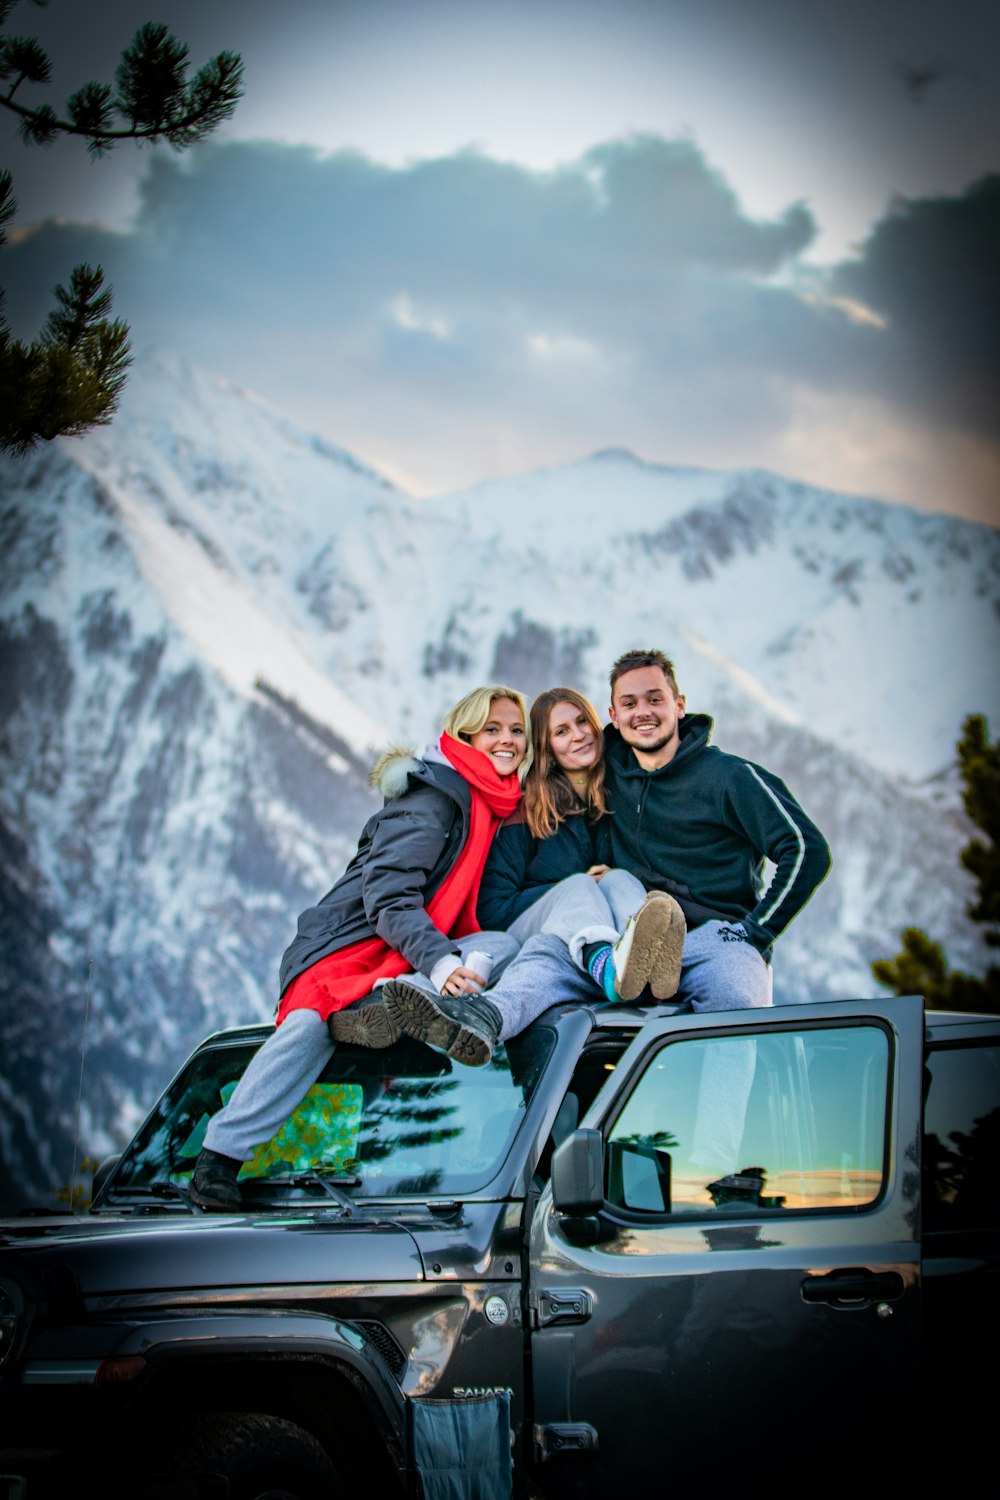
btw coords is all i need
(921, 968)
(70, 378)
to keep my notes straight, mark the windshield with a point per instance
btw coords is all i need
(400, 1122)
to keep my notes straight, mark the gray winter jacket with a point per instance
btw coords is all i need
(403, 856)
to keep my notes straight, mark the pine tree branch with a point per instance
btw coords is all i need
(202, 116)
(153, 95)
(194, 120)
(24, 56)
(8, 205)
(49, 391)
(70, 379)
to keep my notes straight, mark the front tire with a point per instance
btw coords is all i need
(262, 1457)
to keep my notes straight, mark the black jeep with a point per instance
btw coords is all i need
(636, 1248)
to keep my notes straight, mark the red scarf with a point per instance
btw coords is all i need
(340, 978)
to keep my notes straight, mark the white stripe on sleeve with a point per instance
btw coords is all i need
(800, 839)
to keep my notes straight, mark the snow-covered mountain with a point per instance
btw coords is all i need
(873, 624)
(211, 619)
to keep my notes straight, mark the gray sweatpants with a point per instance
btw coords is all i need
(581, 910)
(289, 1063)
(719, 971)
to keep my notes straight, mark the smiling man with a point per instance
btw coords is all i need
(698, 822)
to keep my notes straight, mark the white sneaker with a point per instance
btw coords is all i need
(649, 950)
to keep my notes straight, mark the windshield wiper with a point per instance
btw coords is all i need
(330, 1185)
(168, 1191)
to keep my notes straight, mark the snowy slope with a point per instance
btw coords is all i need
(211, 619)
(165, 813)
(874, 624)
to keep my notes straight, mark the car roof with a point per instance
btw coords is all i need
(630, 1018)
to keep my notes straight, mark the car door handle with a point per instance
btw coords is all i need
(857, 1287)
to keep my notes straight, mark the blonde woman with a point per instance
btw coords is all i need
(405, 904)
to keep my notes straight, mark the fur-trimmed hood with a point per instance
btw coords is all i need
(391, 773)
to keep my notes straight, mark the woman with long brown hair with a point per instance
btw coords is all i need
(545, 873)
(553, 833)
(569, 772)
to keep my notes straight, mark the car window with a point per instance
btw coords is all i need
(962, 1138)
(403, 1121)
(781, 1122)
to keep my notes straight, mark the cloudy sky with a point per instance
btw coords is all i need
(469, 237)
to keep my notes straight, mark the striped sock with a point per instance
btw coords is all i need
(600, 967)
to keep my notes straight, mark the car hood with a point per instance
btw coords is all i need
(121, 1255)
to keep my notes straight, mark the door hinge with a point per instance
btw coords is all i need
(571, 1304)
(555, 1439)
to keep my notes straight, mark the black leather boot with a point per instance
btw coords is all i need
(467, 1027)
(214, 1184)
(366, 1023)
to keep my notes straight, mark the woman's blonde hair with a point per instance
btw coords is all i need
(548, 794)
(472, 712)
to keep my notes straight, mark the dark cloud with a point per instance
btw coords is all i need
(931, 268)
(465, 225)
(623, 298)
(663, 205)
(637, 242)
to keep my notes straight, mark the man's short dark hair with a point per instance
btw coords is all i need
(632, 660)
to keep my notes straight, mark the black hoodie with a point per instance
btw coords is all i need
(701, 827)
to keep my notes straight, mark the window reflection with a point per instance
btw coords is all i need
(962, 1138)
(406, 1121)
(774, 1123)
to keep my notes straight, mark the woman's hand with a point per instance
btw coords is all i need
(598, 870)
(462, 981)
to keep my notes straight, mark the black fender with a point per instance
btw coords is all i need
(115, 1353)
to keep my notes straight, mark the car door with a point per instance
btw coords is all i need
(747, 1292)
(961, 1224)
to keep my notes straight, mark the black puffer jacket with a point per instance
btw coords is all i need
(521, 868)
(404, 854)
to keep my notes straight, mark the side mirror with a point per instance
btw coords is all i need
(578, 1173)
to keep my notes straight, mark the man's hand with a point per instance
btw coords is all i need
(462, 981)
(597, 871)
